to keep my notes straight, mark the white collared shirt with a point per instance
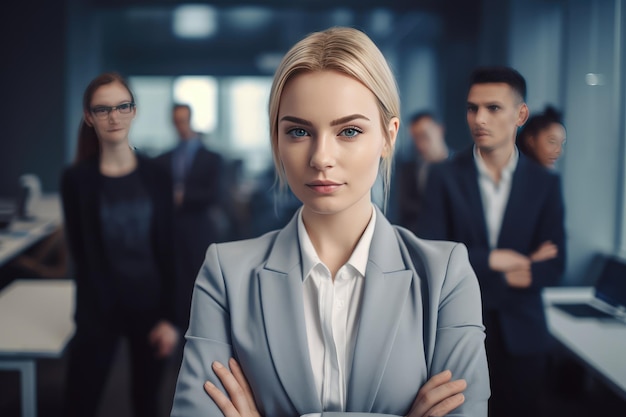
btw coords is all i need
(494, 195)
(331, 313)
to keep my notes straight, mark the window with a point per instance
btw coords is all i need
(230, 112)
(152, 131)
(247, 120)
(200, 93)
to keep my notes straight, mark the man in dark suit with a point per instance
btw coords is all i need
(196, 175)
(427, 135)
(509, 212)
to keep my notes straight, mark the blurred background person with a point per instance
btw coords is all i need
(542, 138)
(509, 212)
(197, 185)
(117, 210)
(429, 145)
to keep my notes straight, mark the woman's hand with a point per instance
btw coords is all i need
(241, 402)
(163, 338)
(439, 396)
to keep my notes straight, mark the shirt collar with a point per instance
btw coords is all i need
(508, 169)
(190, 144)
(358, 259)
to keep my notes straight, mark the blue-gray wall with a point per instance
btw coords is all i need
(33, 93)
(593, 163)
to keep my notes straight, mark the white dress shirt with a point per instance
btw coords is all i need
(331, 313)
(495, 195)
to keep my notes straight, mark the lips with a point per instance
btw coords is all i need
(324, 186)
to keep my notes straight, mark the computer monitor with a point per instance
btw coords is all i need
(611, 285)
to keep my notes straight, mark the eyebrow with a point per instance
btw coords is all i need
(346, 119)
(332, 123)
(296, 120)
(491, 103)
(129, 101)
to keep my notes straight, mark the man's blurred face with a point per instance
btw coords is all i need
(494, 112)
(182, 123)
(427, 136)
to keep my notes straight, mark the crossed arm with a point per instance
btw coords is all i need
(516, 267)
(228, 392)
(437, 397)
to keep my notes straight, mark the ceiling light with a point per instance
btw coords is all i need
(194, 21)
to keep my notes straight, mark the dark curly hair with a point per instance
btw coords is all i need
(536, 124)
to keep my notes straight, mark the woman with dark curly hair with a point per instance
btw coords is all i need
(542, 137)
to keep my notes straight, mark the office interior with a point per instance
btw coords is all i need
(571, 52)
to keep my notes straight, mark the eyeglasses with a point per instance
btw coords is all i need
(102, 112)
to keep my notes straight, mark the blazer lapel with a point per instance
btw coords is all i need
(386, 288)
(514, 204)
(467, 177)
(280, 282)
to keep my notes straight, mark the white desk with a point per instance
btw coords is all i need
(20, 235)
(36, 321)
(600, 344)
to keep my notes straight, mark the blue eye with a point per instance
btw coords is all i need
(297, 132)
(351, 132)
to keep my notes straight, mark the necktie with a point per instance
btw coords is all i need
(180, 164)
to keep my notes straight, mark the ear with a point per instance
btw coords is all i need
(392, 133)
(88, 118)
(522, 115)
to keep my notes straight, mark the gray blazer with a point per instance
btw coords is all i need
(420, 314)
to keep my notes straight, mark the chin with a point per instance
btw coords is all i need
(321, 208)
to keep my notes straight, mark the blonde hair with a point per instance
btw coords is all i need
(350, 52)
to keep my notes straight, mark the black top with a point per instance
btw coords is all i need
(120, 230)
(126, 211)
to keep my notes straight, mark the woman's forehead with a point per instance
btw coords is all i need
(327, 93)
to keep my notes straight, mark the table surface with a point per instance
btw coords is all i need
(21, 234)
(36, 318)
(599, 343)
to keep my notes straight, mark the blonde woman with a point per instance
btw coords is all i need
(339, 311)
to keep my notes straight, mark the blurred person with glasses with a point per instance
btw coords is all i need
(118, 209)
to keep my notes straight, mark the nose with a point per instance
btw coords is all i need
(113, 115)
(559, 150)
(481, 116)
(322, 152)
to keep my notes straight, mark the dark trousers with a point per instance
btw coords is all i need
(517, 381)
(91, 356)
